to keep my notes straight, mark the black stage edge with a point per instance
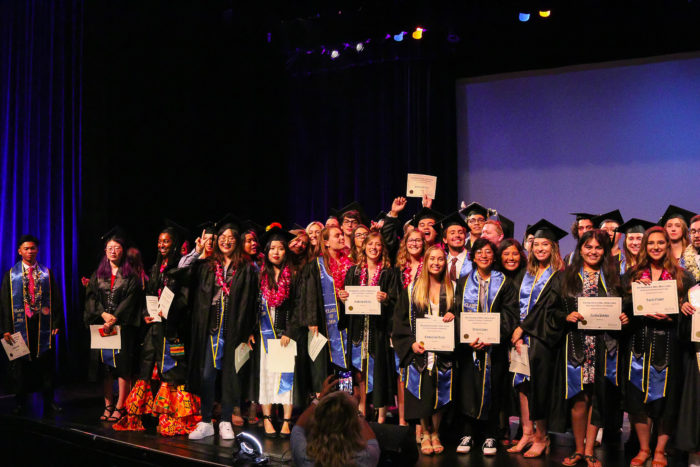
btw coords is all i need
(75, 437)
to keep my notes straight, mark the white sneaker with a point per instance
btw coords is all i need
(465, 445)
(226, 430)
(489, 448)
(202, 430)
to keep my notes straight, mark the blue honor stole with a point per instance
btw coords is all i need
(267, 331)
(530, 291)
(623, 263)
(19, 315)
(645, 377)
(108, 357)
(337, 338)
(466, 267)
(470, 304)
(414, 378)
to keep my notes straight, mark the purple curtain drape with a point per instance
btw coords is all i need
(40, 137)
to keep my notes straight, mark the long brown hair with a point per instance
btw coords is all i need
(384, 260)
(555, 260)
(669, 263)
(421, 291)
(630, 258)
(403, 257)
(325, 235)
(608, 265)
(335, 434)
(356, 252)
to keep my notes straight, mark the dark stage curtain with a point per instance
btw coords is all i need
(40, 142)
(355, 133)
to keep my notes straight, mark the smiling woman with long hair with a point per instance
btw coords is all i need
(428, 384)
(653, 377)
(588, 368)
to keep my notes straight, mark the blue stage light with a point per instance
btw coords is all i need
(523, 17)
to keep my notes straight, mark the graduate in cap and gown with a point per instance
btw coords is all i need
(222, 292)
(633, 230)
(676, 221)
(318, 308)
(31, 304)
(454, 234)
(369, 349)
(483, 367)
(589, 368)
(582, 223)
(114, 297)
(349, 217)
(611, 222)
(203, 245)
(475, 215)
(654, 375)
(425, 222)
(162, 356)
(542, 324)
(429, 375)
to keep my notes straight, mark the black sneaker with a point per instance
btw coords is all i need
(489, 448)
(465, 445)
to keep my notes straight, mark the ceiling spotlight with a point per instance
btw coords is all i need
(334, 54)
(418, 33)
(545, 13)
(399, 37)
(360, 47)
(523, 17)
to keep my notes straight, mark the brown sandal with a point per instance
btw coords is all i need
(663, 463)
(641, 458)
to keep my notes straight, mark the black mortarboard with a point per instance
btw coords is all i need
(614, 216)
(296, 226)
(426, 213)
(277, 233)
(354, 206)
(452, 219)
(254, 226)
(507, 225)
(207, 226)
(475, 208)
(116, 232)
(635, 226)
(673, 212)
(229, 221)
(545, 229)
(583, 215)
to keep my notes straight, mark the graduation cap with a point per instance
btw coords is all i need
(545, 229)
(674, 212)
(354, 206)
(635, 226)
(475, 208)
(452, 219)
(296, 226)
(277, 233)
(116, 233)
(583, 215)
(229, 221)
(181, 233)
(207, 226)
(614, 216)
(254, 226)
(426, 213)
(507, 225)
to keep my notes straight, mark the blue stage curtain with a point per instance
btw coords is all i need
(40, 138)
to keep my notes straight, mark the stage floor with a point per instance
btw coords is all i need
(76, 437)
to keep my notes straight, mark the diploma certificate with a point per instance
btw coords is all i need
(316, 344)
(600, 313)
(435, 334)
(694, 296)
(362, 300)
(520, 362)
(659, 297)
(484, 326)
(695, 331)
(107, 342)
(17, 349)
(417, 185)
(152, 307)
(166, 299)
(280, 359)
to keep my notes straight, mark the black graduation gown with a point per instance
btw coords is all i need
(666, 352)
(471, 376)
(687, 434)
(124, 302)
(392, 231)
(403, 337)
(175, 328)
(241, 323)
(606, 401)
(384, 378)
(29, 373)
(544, 324)
(284, 325)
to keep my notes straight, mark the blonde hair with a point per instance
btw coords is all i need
(325, 235)
(555, 260)
(421, 291)
(403, 257)
(362, 256)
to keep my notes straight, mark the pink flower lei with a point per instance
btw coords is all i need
(407, 273)
(375, 277)
(225, 285)
(275, 298)
(338, 270)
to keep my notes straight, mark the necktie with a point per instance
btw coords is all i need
(453, 270)
(30, 273)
